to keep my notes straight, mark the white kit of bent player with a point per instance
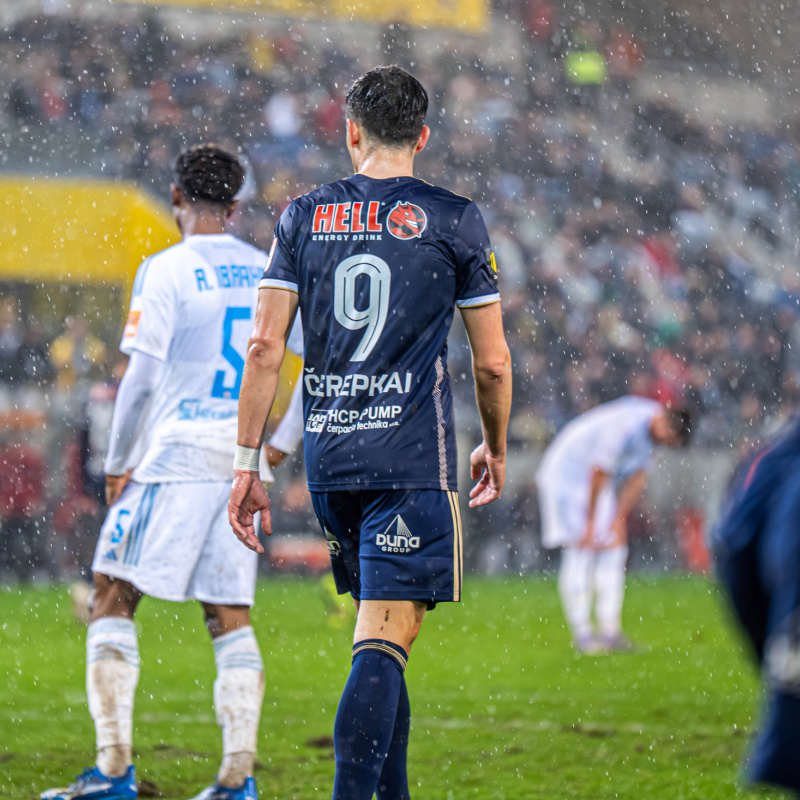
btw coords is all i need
(192, 309)
(614, 437)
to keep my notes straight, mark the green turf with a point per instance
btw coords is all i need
(502, 707)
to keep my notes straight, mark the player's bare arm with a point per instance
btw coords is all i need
(115, 484)
(135, 391)
(491, 367)
(290, 430)
(265, 350)
(629, 495)
(599, 478)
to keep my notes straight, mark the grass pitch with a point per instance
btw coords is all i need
(501, 706)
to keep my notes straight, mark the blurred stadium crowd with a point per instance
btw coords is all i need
(640, 249)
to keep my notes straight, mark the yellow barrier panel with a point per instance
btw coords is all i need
(89, 232)
(468, 15)
(78, 231)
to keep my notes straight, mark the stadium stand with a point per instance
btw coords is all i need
(641, 248)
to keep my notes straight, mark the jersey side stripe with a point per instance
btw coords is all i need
(455, 547)
(437, 399)
(137, 518)
(458, 545)
(140, 540)
(483, 300)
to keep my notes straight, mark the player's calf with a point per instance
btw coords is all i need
(238, 693)
(364, 728)
(373, 718)
(112, 673)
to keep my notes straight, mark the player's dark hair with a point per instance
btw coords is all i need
(680, 422)
(207, 173)
(390, 104)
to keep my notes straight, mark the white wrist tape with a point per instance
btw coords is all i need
(246, 458)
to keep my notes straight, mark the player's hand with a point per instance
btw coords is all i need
(587, 540)
(114, 486)
(249, 496)
(275, 457)
(490, 472)
(619, 532)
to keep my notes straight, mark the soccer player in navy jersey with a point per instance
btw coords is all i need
(377, 264)
(757, 552)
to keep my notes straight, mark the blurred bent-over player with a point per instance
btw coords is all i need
(757, 550)
(378, 262)
(167, 533)
(589, 479)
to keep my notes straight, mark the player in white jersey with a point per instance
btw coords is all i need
(168, 477)
(589, 480)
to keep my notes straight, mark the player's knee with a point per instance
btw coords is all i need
(416, 622)
(113, 597)
(224, 619)
(397, 621)
(211, 618)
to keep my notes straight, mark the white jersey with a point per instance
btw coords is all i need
(614, 437)
(193, 307)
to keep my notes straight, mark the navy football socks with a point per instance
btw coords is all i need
(393, 783)
(365, 720)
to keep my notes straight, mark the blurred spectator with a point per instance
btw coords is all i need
(541, 20)
(75, 354)
(625, 57)
(22, 501)
(585, 64)
(12, 338)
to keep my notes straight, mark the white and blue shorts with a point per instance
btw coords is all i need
(564, 512)
(173, 541)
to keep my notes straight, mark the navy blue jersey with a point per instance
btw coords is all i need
(379, 266)
(757, 550)
(749, 518)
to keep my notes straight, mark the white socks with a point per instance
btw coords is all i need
(585, 575)
(238, 692)
(112, 672)
(574, 586)
(609, 585)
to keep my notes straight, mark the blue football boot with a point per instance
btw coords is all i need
(247, 791)
(91, 784)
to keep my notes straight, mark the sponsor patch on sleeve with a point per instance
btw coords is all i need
(132, 325)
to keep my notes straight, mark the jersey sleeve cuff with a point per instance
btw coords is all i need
(114, 466)
(127, 348)
(273, 283)
(474, 302)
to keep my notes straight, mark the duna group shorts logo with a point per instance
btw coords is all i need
(397, 538)
(406, 221)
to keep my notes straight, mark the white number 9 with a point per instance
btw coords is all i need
(373, 317)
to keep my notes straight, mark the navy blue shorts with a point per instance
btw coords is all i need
(394, 545)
